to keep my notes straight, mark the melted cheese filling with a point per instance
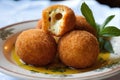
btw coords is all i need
(55, 24)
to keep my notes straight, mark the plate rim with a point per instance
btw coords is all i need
(17, 23)
(12, 73)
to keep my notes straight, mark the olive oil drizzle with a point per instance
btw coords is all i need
(59, 68)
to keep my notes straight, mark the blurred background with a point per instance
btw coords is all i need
(13, 11)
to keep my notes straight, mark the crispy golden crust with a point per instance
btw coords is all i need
(35, 47)
(78, 49)
(39, 24)
(65, 20)
(82, 24)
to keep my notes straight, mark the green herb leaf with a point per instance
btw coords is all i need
(101, 44)
(108, 46)
(110, 31)
(107, 20)
(86, 11)
(33, 71)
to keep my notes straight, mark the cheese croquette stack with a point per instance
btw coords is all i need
(76, 44)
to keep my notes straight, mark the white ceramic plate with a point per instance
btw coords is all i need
(7, 67)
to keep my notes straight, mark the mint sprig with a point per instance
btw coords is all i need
(110, 31)
(104, 33)
(108, 46)
(107, 20)
(88, 15)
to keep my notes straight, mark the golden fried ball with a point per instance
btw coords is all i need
(78, 49)
(82, 24)
(58, 19)
(35, 47)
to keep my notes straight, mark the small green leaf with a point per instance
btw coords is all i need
(86, 11)
(101, 44)
(33, 71)
(107, 20)
(108, 46)
(110, 31)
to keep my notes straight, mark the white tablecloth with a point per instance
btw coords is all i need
(17, 11)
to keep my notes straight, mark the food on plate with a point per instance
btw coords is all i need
(78, 49)
(69, 42)
(38, 47)
(58, 19)
(82, 24)
(35, 47)
(39, 24)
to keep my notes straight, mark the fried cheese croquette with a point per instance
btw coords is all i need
(39, 24)
(35, 47)
(82, 24)
(78, 49)
(58, 19)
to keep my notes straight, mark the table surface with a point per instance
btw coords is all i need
(11, 12)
